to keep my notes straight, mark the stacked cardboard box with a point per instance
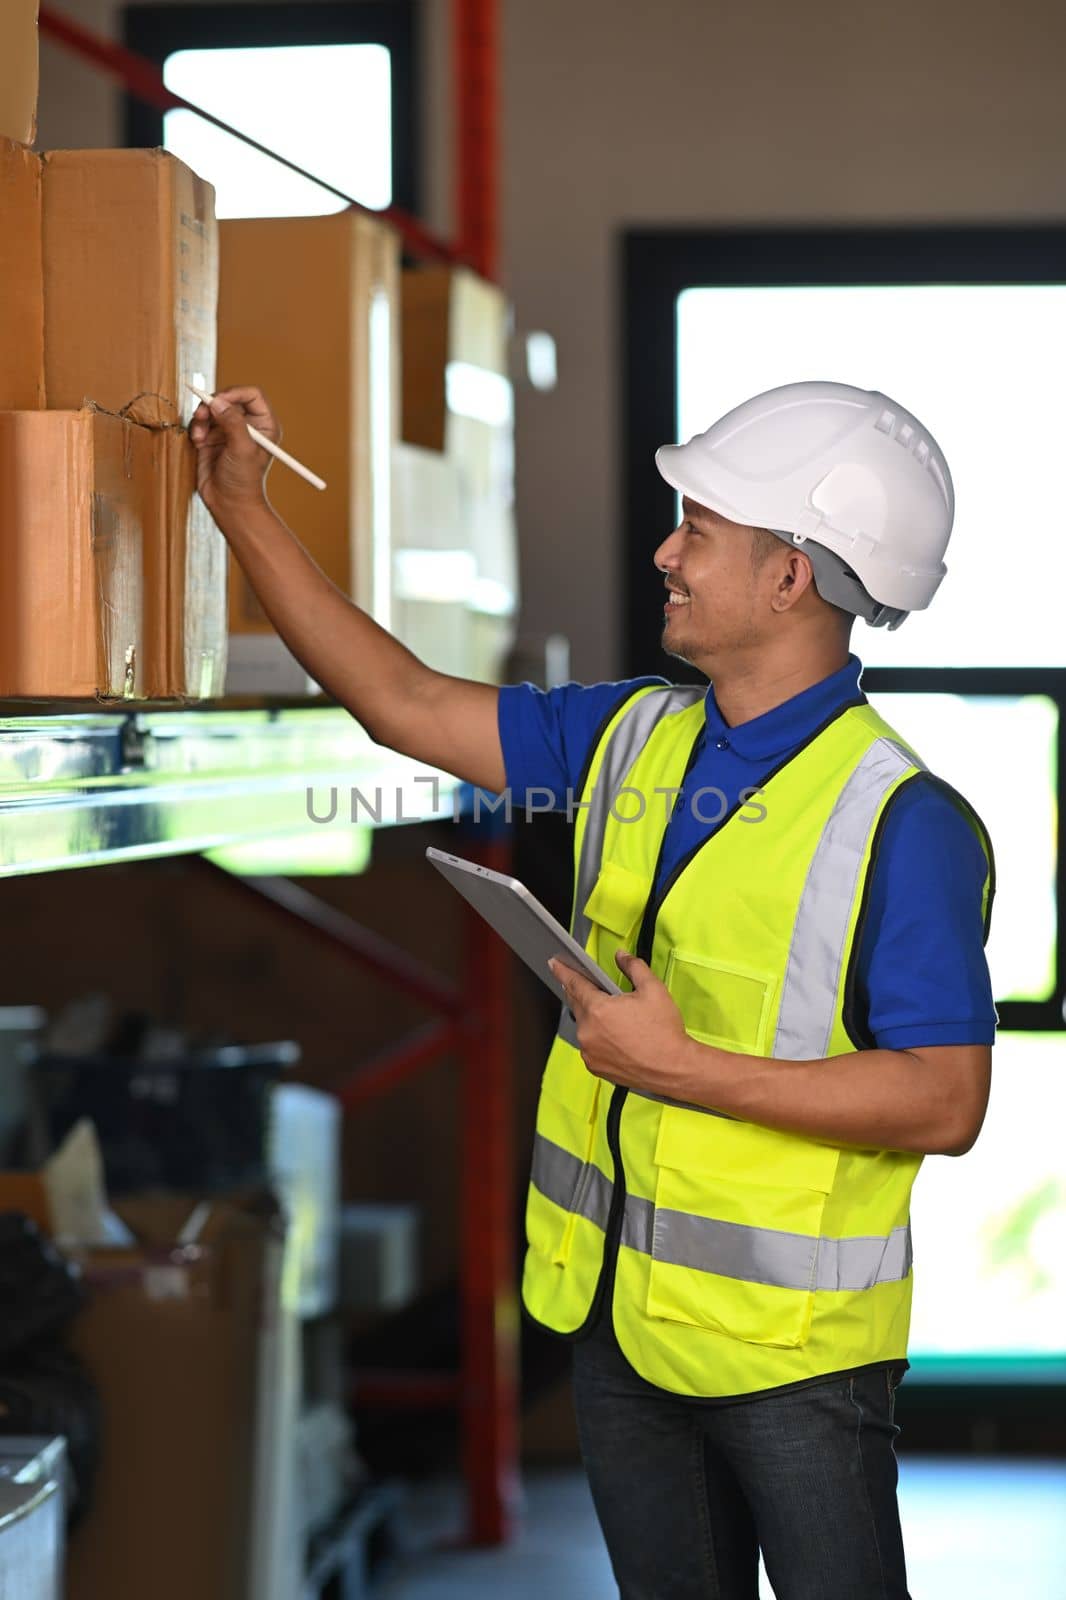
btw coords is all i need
(112, 575)
(21, 280)
(455, 572)
(309, 312)
(18, 70)
(130, 282)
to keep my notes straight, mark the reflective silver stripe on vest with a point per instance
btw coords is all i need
(909, 756)
(570, 1183)
(728, 1249)
(816, 952)
(626, 742)
(766, 1255)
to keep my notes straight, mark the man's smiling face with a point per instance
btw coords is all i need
(718, 599)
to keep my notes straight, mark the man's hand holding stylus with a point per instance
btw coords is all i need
(230, 466)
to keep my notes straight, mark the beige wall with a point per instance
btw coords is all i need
(633, 111)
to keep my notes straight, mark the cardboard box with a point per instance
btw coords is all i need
(19, 70)
(308, 311)
(434, 570)
(112, 575)
(130, 283)
(21, 277)
(450, 317)
(458, 402)
(173, 1337)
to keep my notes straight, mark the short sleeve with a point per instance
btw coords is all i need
(547, 735)
(922, 974)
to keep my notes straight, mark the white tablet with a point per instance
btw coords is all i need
(518, 916)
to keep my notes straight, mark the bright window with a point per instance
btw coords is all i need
(326, 107)
(980, 365)
(999, 751)
(990, 1229)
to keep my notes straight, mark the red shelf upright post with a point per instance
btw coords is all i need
(489, 1396)
(476, 60)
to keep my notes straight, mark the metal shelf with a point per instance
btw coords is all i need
(85, 789)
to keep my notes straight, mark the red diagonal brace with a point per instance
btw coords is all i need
(398, 1063)
(339, 931)
(144, 80)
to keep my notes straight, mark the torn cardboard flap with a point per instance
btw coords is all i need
(19, 70)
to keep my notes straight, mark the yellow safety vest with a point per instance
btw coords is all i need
(745, 1258)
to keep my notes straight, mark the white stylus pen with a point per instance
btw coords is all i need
(268, 444)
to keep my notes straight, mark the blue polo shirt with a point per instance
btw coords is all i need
(922, 974)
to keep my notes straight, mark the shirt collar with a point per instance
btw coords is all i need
(791, 723)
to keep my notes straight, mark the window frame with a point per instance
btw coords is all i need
(157, 31)
(657, 265)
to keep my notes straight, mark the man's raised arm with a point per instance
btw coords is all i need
(445, 722)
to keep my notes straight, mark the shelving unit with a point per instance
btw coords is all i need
(83, 789)
(84, 785)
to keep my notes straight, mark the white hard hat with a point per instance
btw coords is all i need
(847, 469)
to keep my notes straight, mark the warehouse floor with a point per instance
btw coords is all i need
(975, 1530)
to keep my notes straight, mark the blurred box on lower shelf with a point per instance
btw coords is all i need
(305, 1170)
(189, 1341)
(263, 664)
(113, 574)
(328, 1471)
(379, 1266)
(20, 1031)
(309, 311)
(21, 276)
(19, 70)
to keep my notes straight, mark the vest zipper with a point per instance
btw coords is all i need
(605, 1286)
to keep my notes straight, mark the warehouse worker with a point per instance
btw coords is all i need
(797, 909)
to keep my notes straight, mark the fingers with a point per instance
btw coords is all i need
(256, 407)
(247, 395)
(578, 989)
(636, 970)
(560, 973)
(244, 398)
(198, 424)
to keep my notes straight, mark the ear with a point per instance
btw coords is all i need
(795, 579)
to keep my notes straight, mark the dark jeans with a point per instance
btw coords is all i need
(688, 1493)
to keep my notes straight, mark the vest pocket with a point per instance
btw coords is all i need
(725, 1005)
(738, 1215)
